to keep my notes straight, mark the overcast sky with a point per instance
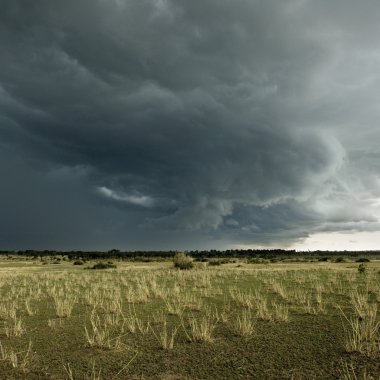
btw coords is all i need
(157, 124)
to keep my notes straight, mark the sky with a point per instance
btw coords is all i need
(202, 124)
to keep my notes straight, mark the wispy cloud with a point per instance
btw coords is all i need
(138, 200)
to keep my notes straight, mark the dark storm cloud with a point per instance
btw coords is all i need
(187, 124)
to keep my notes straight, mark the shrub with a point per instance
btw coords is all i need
(362, 260)
(103, 265)
(78, 262)
(339, 260)
(361, 268)
(182, 261)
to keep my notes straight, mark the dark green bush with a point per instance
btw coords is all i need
(362, 260)
(339, 259)
(78, 262)
(103, 265)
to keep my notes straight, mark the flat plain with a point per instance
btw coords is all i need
(305, 320)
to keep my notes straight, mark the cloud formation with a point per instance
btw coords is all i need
(187, 124)
(139, 200)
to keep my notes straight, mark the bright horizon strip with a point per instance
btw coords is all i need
(339, 241)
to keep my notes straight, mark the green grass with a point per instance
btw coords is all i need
(125, 313)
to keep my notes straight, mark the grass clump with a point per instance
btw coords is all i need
(362, 333)
(14, 327)
(165, 337)
(64, 306)
(348, 372)
(182, 261)
(244, 324)
(98, 335)
(200, 330)
(18, 359)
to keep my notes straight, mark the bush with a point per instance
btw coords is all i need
(182, 261)
(362, 260)
(339, 260)
(78, 262)
(103, 265)
(361, 268)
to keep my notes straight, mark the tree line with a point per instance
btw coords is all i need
(196, 254)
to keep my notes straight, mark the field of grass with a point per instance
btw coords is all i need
(150, 321)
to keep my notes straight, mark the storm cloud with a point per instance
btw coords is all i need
(161, 124)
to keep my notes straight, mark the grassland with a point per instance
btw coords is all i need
(149, 321)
